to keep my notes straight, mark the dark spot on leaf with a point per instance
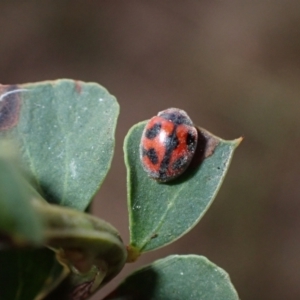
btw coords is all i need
(153, 236)
(151, 133)
(205, 147)
(10, 103)
(151, 154)
(211, 144)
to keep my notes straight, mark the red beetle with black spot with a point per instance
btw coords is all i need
(168, 144)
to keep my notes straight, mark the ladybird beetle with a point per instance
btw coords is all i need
(168, 144)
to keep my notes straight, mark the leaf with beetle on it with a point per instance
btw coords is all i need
(65, 131)
(160, 213)
(188, 277)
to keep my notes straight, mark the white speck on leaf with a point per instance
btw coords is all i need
(73, 169)
(100, 99)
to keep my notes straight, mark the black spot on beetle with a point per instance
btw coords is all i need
(179, 163)
(151, 154)
(176, 116)
(191, 141)
(171, 142)
(152, 132)
(164, 165)
(10, 103)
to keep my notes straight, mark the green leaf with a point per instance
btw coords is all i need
(20, 278)
(65, 130)
(24, 272)
(92, 239)
(18, 221)
(187, 277)
(159, 213)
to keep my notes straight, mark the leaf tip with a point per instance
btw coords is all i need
(238, 141)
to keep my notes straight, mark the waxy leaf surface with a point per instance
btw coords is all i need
(188, 277)
(65, 131)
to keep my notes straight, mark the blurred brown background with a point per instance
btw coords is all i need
(234, 66)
